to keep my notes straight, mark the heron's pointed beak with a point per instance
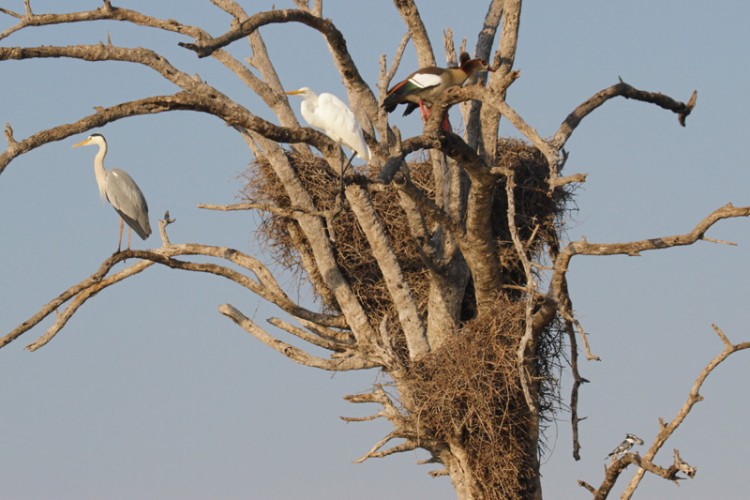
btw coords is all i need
(294, 92)
(79, 144)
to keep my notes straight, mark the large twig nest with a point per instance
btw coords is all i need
(470, 388)
(538, 217)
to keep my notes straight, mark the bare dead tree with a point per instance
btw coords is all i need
(452, 277)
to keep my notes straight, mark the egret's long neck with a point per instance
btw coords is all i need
(99, 171)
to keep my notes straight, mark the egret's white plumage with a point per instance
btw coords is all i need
(329, 114)
(120, 190)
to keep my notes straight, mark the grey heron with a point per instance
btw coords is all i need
(121, 191)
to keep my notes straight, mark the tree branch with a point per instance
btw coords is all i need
(635, 248)
(417, 31)
(485, 40)
(291, 352)
(387, 76)
(336, 42)
(491, 98)
(226, 110)
(668, 429)
(525, 346)
(291, 213)
(104, 12)
(620, 89)
(269, 92)
(265, 287)
(400, 291)
(315, 233)
(617, 467)
(324, 342)
(379, 396)
(85, 288)
(157, 104)
(407, 445)
(503, 62)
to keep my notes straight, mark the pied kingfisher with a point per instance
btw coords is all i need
(628, 443)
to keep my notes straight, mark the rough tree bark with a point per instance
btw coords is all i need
(447, 273)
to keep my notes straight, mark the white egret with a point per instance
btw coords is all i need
(329, 114)
(121, 191)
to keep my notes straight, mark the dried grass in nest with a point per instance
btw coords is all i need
(471, 383)
(353, 253)
(537, 213)
(470, 389)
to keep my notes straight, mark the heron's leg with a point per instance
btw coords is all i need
(130, 236)
(119, 241)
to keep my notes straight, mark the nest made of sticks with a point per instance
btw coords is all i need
(351, 249)
(538, 217)
(471, 383)
(470, 388)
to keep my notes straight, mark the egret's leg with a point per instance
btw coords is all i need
(119, 241)
(349, 162)
(345, 167)
(341, 176)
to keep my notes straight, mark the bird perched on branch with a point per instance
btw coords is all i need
(630, 440)
(121, 191)
(329, 114)
(423, 87)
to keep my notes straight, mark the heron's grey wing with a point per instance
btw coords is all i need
(126, 197)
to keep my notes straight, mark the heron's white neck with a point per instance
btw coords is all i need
(99, 171)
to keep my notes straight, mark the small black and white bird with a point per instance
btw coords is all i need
(630, 440)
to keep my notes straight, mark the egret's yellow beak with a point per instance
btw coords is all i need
(82, 143)
(294, 92)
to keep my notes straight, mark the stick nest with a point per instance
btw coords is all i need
(538, 218)
(470, 390)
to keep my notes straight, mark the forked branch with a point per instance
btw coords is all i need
(667, 429)
(634, 248)
(296, 354)
(262, 284)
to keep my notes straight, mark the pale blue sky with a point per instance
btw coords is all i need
(150, 393)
